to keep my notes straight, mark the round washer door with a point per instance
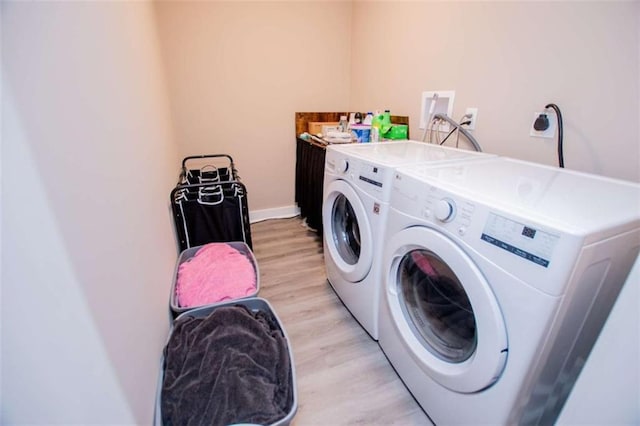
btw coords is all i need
(347, 231)
(444, 310)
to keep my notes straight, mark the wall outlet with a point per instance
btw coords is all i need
(473, 111)
(443, 105)
(551, 130)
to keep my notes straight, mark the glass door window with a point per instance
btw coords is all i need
(345, 230)
(436, 306)
(444, 310)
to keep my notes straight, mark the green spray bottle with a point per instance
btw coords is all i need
(380, 125)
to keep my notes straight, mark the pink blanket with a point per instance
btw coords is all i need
(217, 272)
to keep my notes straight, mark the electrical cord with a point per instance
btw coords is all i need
(466, 117)
(456, 128)
(448, 134)
(560, 133)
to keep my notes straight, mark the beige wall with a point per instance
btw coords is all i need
(238, 72)
(510, 59)
(88, 251)
(88, 155)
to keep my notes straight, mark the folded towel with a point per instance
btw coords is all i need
(232, 366)
(217, 272)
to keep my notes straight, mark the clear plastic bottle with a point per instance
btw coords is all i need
(376, 125)
(368, 119)
(343, 125)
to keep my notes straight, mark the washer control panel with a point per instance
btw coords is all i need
(371, 178)
(478, 224)
(445, 209)
(534, 245)
(370, 174)
(342, 165)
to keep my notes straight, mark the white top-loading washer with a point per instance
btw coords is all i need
(498, 275)
(357, 185)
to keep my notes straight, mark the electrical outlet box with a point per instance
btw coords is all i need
(443, 104)
(551, 130)
(473, 112)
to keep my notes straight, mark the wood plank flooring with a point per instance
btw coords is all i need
(343, 378)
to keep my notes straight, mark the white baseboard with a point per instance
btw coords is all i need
(275, 213)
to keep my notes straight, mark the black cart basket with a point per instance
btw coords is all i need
(209, 203)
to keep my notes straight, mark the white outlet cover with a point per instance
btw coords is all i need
(474, 117)
(553, 124)
(444, 105)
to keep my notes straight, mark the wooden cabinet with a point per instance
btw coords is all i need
(309, 181)
(310, 156)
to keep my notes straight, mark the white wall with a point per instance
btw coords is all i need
(510, 59)
(88, 161)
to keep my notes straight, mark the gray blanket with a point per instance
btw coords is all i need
(232, 366)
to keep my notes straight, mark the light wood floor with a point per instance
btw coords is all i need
(343, 378)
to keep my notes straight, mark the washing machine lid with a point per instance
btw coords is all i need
(574, 202)
(347, 231)
(458, 363)
(395, 153)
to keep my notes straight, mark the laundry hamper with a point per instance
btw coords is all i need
(209, 203)
(227, 364)
(239, 260)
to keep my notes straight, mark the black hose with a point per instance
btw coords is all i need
(559, 115)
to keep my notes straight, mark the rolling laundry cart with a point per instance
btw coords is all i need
(209, 203)
(228, 360)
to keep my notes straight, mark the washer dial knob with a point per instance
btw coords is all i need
(445, 210)
(343, 165)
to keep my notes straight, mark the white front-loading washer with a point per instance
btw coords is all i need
(356, 190)
(498, 276)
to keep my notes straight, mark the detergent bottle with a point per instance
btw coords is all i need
(385, 124)
(376, 125)
(380, 125)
